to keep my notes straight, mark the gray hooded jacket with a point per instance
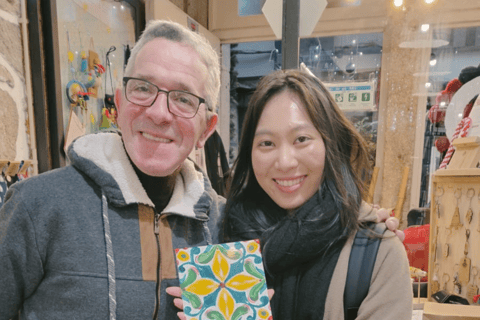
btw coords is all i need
(79, 242)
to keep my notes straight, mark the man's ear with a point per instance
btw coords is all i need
(210, 128)
(118, 98)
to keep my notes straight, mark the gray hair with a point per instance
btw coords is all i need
(176, 32)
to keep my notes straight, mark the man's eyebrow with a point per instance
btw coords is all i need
(174, 84)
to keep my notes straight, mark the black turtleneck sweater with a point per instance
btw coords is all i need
(159, 189)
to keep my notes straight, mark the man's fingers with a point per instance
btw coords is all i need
(178, 303)
(392, 223)
(174, 291)
(382, 214)
(270, 293)
(400, 234)
(181, 316)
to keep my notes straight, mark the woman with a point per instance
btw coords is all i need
(297, 186)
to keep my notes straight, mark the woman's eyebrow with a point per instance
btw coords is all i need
(298, 127)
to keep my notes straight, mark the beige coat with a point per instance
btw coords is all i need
(390, 295)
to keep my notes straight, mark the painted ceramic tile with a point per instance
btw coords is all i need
(223, 282)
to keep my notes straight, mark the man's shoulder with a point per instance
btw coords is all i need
(49, 182)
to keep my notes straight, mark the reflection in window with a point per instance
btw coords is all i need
(452, 90)
(349, 66)
(250, 7)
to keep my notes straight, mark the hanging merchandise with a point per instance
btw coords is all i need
(109, 111)
(109, 98)
(95, 70)
(126, 56)
(76, 91)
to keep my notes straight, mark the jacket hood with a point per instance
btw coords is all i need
(102, 157)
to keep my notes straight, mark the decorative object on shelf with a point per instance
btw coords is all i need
(457, 286)
(456, 224)
(445, 279)
(469, 214)
(472, 289)
(465, 263)
(435, 285)
(442, 144)
(446, 246)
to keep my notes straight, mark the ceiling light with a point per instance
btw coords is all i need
(425, 27)
(433, 59)
(398, 3)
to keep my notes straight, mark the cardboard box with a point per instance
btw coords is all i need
(444, 311)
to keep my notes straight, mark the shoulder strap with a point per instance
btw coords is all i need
(360, 268)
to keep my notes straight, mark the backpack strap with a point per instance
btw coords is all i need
(360, 268)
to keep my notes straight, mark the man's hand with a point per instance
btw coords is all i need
(383, 215)
(178, 302)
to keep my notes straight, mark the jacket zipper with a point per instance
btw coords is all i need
(156, 230)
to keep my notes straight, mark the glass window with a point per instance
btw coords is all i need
(349, 66)
(451, 88)
(250, 7)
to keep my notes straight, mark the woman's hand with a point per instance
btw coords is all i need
(176, 292)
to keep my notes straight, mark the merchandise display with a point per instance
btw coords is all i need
(454, 230)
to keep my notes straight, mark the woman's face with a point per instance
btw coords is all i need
(288, 153)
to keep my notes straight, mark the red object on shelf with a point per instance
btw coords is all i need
(442, 144)
(435, 114)
(416, 245)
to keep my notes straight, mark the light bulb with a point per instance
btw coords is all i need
(397, 3)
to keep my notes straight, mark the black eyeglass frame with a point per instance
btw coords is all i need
(200, 99)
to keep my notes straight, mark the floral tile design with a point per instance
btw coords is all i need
(223, 282)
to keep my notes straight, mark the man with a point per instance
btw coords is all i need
(95, 239)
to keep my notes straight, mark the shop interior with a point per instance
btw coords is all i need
(406, 73)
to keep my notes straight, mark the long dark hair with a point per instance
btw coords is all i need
(345, 157)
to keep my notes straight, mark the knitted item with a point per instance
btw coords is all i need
(442, 144)
(462, 131)
(452, 86)
(435, 114)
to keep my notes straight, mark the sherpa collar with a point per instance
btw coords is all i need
(102, 157)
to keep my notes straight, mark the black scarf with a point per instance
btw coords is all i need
(300, 254)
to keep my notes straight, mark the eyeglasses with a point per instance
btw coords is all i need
(143, 93)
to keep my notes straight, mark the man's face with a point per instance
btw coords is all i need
(157, 141)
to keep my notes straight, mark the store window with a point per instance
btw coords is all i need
(452, 90)
(349, 65)
(250, 7)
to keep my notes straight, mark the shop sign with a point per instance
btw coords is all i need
(353, 96)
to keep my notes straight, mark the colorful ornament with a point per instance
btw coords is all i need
(435, 114)
(442, 144)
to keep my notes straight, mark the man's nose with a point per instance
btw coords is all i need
(158, 111)
(286, 159)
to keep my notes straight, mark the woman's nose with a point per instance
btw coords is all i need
(287, 159)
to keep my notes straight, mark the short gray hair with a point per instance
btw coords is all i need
(176, 32)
